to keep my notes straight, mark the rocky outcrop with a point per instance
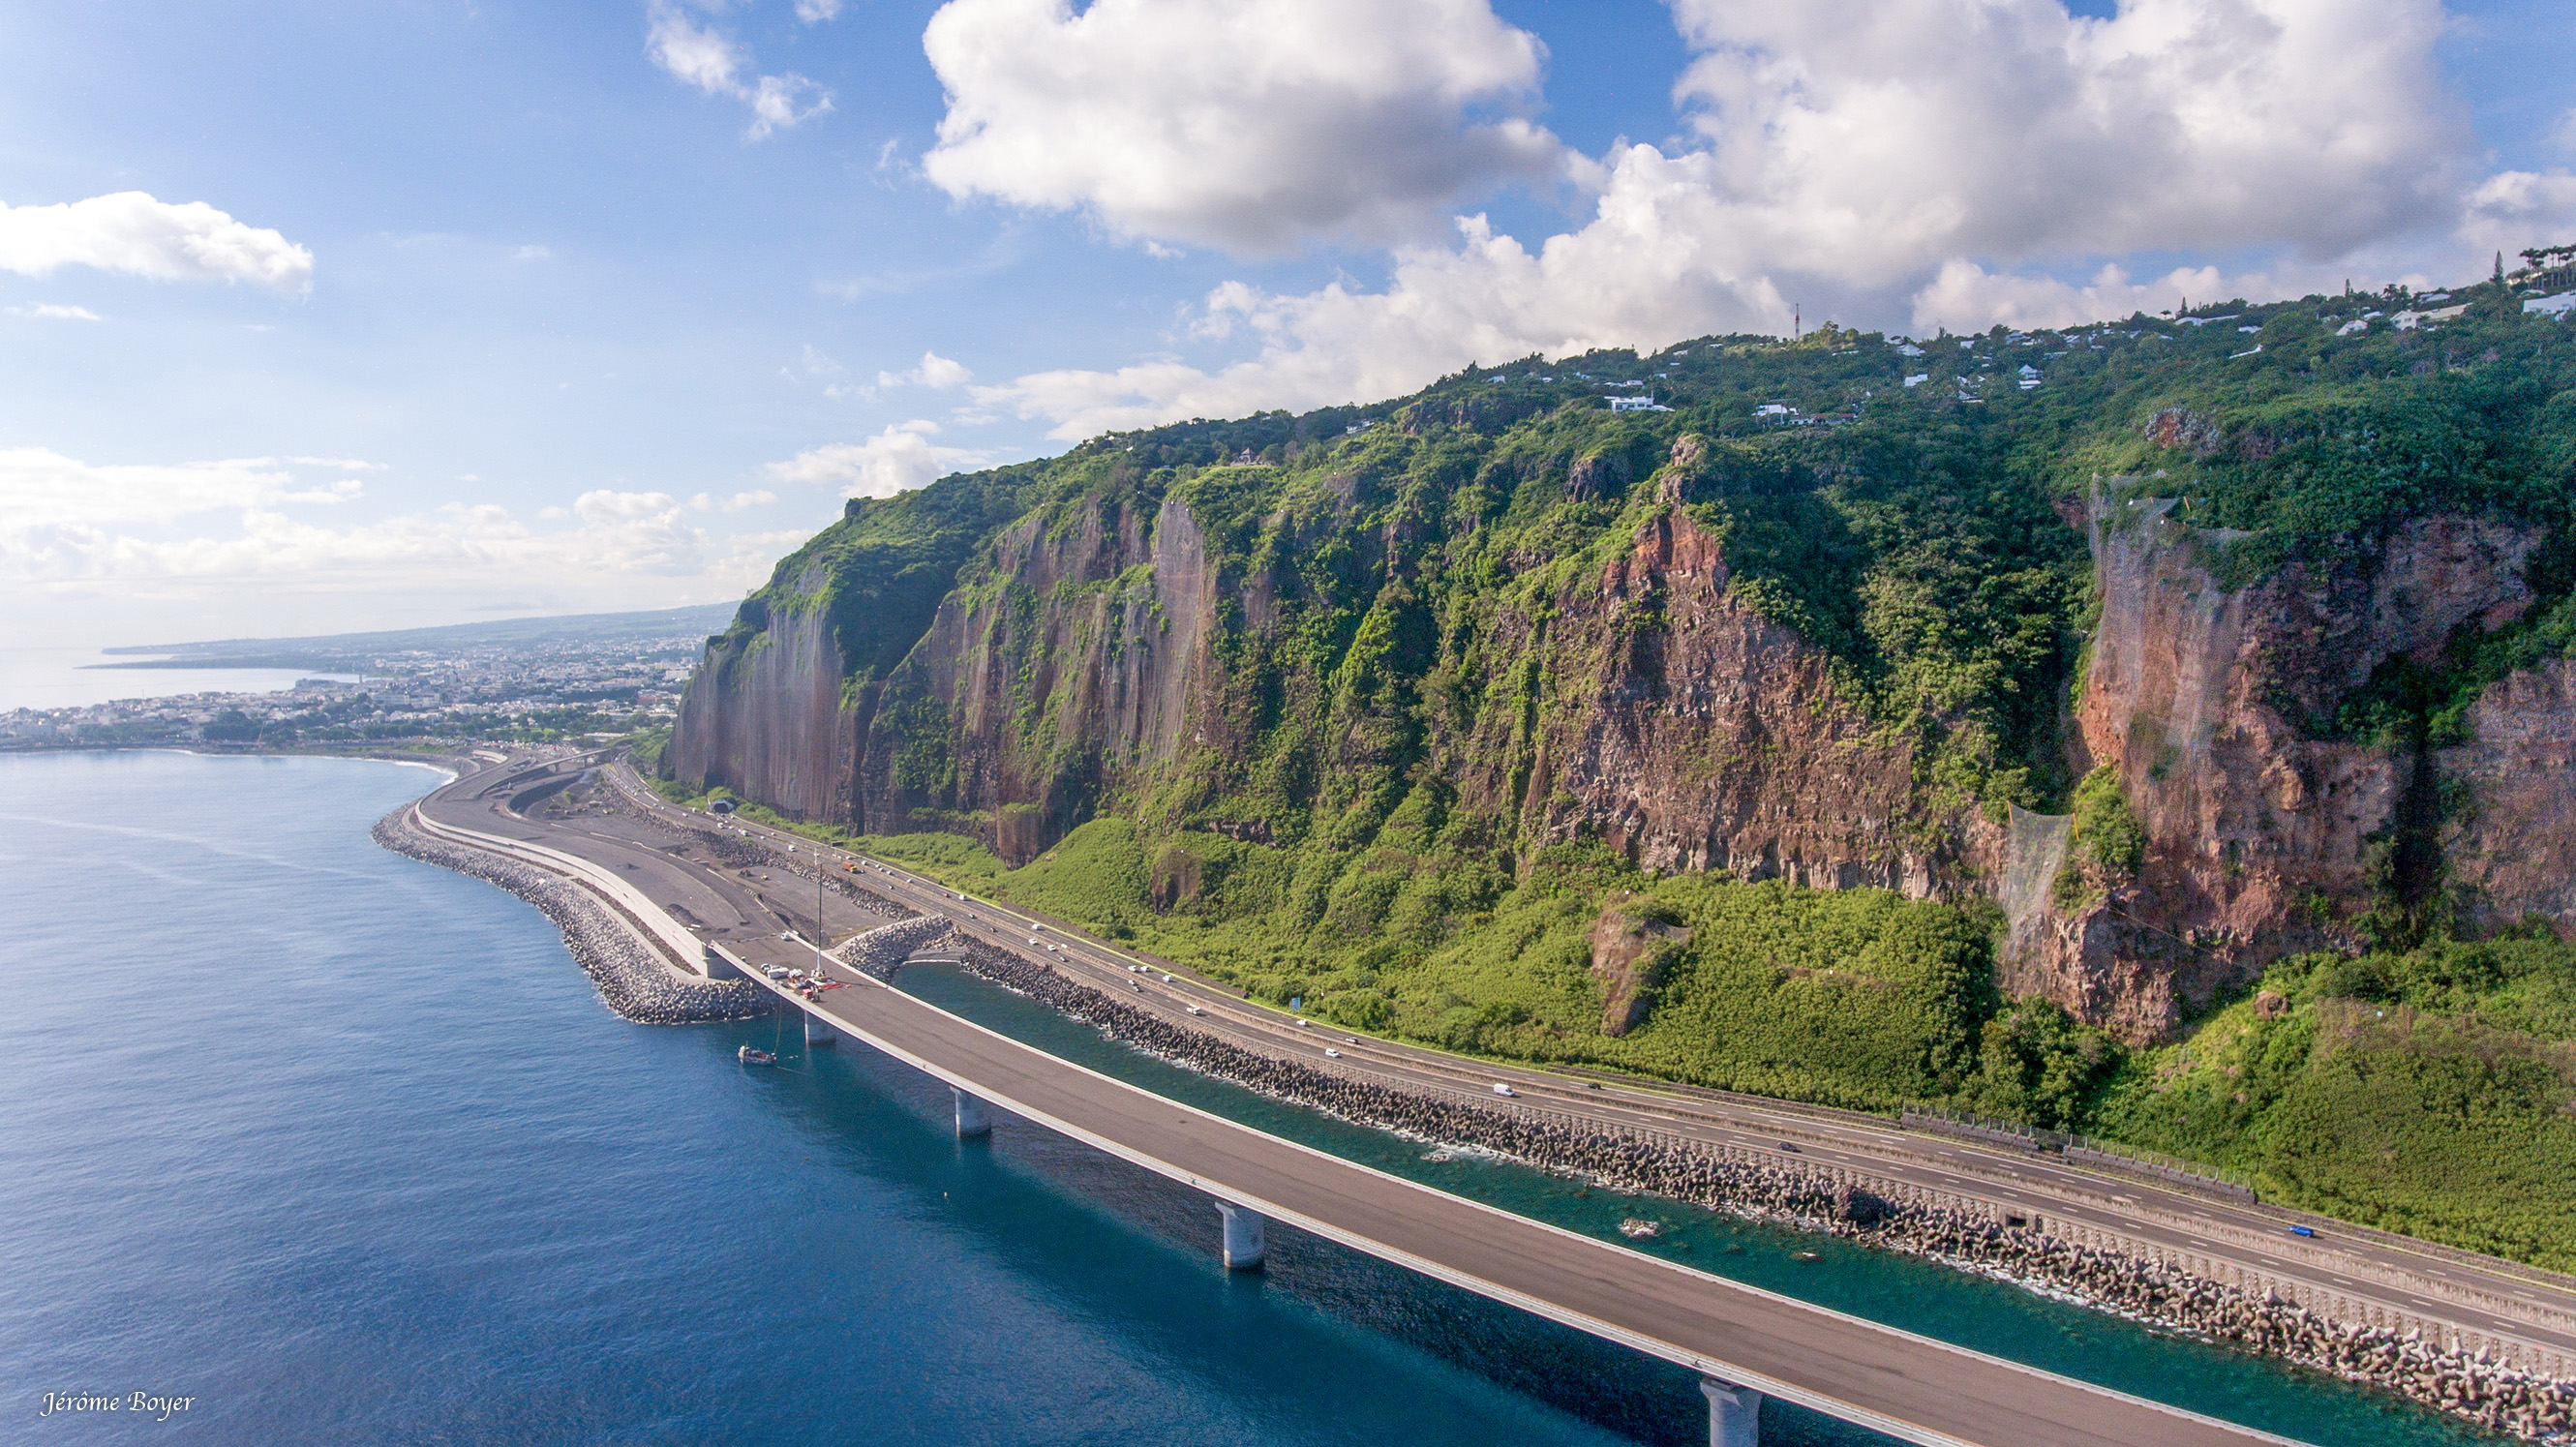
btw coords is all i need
(1690, 732)
(2509, 841)
(1630, 950)
(2263, 838)
(766, 717)
(1073, 657)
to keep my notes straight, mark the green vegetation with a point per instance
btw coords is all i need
(1409, 628)
(1853, 997)
(2104, 844)
(2431, 1092)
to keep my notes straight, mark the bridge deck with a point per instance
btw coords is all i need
(1911, 1387)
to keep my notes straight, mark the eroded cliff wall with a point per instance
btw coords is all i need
(765, 718)
(1691, 733)
(2265, 833)
(1066, 665)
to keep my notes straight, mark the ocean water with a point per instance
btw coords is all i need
(340, 1147)
(79, 677)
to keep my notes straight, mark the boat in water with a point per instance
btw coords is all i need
(752, 1055)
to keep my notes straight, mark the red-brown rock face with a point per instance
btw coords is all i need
(2260, 841)
(1691, 733)
(2511, 849)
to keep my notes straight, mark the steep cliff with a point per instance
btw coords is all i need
(766, 717)
(1064, 663)
(2216, 708)
(1351, 681)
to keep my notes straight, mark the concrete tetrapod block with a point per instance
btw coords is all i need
(819, 1034)
(1243, 1250)
(973, 1119)
(1734, 1414)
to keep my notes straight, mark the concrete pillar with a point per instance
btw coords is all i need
(721, 965)
(1243, 1249)
(972, 1118)
(1734, 1414)
(819, 1034)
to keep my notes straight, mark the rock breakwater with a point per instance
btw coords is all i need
(2156, 1292)
(631, 978)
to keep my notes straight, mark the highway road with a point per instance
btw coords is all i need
(2494, 1298)
(1911, 1387)
(768, 915)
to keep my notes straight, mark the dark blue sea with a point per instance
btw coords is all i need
(339, 1147)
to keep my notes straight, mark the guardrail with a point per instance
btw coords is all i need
(2082, 1150)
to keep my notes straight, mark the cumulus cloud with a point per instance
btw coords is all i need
(1873, 139)
(1943, 163)
(134, 233)
(1244, 124)
(702, 57)
(934, 371)
(899, 459)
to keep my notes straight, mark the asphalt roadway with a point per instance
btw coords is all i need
(1911, 1387)
(2479, 1294)
(1914, 1388)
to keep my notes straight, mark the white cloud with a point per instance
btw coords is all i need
(716, 64)
(1245, 124)
(228, 536)
(2565, 135)
(133, 233)
(814, 12)
(49, 311)
(1867, 142)
(1936, 163)
(934, 371)
(709, 502)
(899, 459)
(41, 488)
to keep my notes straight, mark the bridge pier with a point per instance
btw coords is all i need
(721, 965)
(1243, 1249)
(819, 1035)
(1734, 1414)
(972, 1117)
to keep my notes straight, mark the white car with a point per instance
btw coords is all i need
(776, 972)
(1305, 1024)
(1195, 1010)
(1502, 1089)
(1169, 980)
(1331, 1054)
(1032, 941)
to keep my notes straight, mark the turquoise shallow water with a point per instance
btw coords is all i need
(344, 1149)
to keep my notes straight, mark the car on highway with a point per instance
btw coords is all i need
(2303, 1230)
(1784, 1145)
(1331, 1054)
(1504, 1090)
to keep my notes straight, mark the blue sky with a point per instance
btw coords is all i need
(416, 312)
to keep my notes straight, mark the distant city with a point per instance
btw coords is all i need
(529, 681)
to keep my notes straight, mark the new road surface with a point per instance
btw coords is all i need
(1911, 1387)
